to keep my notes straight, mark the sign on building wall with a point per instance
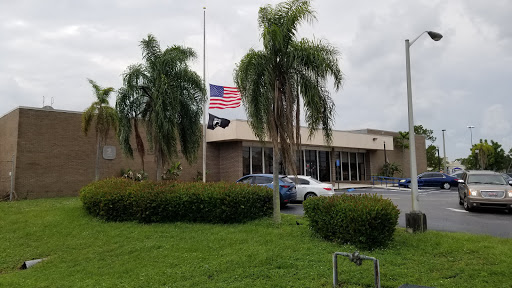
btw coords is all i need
(109, 152)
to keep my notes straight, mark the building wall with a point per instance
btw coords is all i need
(230, 161)
(8, 147)
(396, 156)
(56, 159)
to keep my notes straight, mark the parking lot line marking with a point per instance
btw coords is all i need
(457, 210)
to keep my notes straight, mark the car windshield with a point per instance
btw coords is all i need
(486, 179)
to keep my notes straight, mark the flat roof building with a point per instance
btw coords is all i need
(52, 157)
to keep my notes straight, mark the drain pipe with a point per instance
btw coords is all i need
(29, 263)
(12, 178)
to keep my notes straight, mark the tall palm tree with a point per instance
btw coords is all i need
(272, 82)
(402, 142)
(168, 97)
(105, 116)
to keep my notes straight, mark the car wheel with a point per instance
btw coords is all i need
(309, 195)
(466, 204)
(446, 186)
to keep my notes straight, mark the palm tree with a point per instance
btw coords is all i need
(105, 116)
(168, 97)
(402, 141)
(272, 82)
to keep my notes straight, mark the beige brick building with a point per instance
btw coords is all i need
(53, 158)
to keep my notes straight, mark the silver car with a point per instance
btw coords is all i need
(484, 189)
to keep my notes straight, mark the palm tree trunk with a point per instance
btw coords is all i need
(276, 203)
(140, 143)
(158, 156)
(97, 169)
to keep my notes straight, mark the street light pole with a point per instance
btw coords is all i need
(438, 159)
(416, 221)
(444, 155)
(471, 131)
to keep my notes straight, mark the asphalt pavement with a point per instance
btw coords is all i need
(442, 209)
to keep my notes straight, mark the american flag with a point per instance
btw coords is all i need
(222, 97)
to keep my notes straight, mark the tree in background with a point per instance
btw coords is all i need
(168, 97)
(432, 156)
(402, 142)
(273, 80)
(479, 157)
(428, 133)
(509, 160)
(433, 160)
(497, 159)
(105, 116)
(487, 156)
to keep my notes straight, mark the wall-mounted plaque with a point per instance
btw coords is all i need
(109, 152)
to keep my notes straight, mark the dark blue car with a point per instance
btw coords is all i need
(287, 189)
(432, 179)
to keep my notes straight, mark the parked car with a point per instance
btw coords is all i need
(308, 186)
(432, 179)
(485, 189)
(506, 177)
(287, 189)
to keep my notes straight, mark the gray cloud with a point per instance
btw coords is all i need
(49, 48)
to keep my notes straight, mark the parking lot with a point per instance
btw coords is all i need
(442, 209)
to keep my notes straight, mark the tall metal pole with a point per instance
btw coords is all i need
(206, 102)
(444, 155)
(438, 159)
(471, 132)
(412, 142)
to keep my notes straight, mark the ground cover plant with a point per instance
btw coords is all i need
(83, 251)
(118, 199)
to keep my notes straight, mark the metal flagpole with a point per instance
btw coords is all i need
(206, 102)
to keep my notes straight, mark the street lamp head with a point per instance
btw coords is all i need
(443, 130)
(471, 127)
(434, 35)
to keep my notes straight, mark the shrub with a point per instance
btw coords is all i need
(366, 221)
(118, 199)
(390, 169)
(129, 174)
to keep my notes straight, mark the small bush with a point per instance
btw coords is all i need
(118, 199)
(366, 221)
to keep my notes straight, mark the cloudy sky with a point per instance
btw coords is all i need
(49, 48)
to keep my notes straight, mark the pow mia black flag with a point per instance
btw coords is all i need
(214, 122)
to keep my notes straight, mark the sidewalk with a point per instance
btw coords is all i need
(341, 187)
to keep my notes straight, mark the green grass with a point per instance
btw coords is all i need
(85, 252)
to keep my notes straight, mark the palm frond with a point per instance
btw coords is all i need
(87, 118)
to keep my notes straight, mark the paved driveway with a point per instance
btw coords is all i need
(442, 209)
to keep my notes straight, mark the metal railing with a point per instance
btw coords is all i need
(358, 260)
(382, 180)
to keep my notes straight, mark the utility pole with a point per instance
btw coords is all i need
(444, 155)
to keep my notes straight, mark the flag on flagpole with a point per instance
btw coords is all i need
(222, 97)
(216, 121)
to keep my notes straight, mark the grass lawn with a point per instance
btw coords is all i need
(82, 251)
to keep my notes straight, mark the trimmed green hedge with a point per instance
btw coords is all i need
(117, 199)
(366, 221)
